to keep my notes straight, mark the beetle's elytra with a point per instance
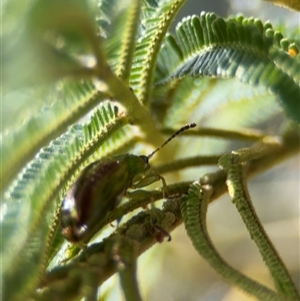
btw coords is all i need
(100, 187)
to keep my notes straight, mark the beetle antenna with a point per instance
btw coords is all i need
(184, 128)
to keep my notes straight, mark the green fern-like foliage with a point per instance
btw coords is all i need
(238, 47)
(104, 78)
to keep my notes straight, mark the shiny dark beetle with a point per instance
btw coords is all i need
(100, 187)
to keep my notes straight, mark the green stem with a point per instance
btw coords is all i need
(125, 256)
(246, 134)
(194, 210)
(237, 187)
(114, 86)
(187, 162)
(129, 40)
(156, 38)
(138, 114)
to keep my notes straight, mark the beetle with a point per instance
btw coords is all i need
(101, 186)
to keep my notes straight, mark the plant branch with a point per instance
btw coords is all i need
(245, 134)
(234, 165)
(137, 113)
(194, 210)
(180, 164)
(136, 228)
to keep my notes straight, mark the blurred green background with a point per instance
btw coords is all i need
(174, 271)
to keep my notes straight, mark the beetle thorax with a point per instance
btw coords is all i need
(137, 164)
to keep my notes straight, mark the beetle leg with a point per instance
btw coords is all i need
(148, 178)
(165, 187)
